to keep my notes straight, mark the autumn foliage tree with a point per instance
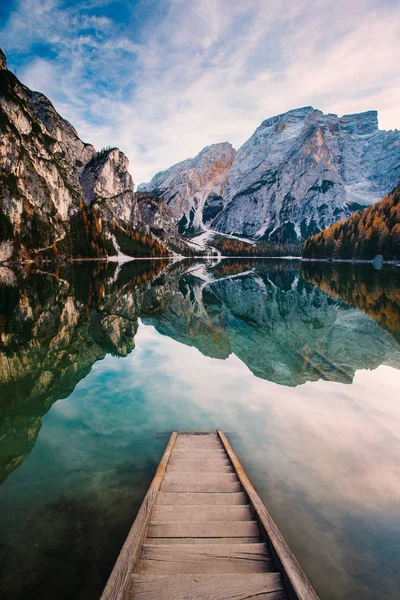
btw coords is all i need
(374, 230)
(235, 247)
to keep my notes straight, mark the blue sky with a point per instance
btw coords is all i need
(161, 79)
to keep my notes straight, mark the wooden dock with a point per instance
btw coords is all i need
(202, 532)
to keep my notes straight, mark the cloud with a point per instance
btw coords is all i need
(172, 77)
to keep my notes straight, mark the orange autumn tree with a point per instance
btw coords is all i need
(374, 230)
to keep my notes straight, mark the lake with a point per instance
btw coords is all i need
(297, 362)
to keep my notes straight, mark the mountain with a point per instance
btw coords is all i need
(186, 186)
(298, 173)
(58, 196)
(373, 231)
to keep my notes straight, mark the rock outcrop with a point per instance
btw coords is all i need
(186, 186)
(3, 60)
(159, 218)
(58, 196)
(298, 173)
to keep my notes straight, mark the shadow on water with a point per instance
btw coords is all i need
(70, 507)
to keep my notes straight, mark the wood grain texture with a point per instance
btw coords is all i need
(193, 486)
(188, 499)
(227, 558)
(296, 580)
(266, 586)
(189, 541)
(204, 447)
(194, 514)
(199, 468)
(196, 442)
(173, 477)
(213, 529)
(197, 534)
(181, 463)
(117, 587)
(195, 454)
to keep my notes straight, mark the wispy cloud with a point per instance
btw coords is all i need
(163, 79)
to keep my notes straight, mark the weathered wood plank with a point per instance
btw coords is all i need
(187, 499)
(212, 529)
(195, 454)
(193, 514)
(191, 435)
(204, 446)
(117, 587)
(200, 468)
(173, 477)
(295, 578)
(200, 541)
(181, 463)
(194, 486)
(198, 442)
(259, 586)
(230, 558)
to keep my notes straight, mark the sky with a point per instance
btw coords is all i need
(161, 79)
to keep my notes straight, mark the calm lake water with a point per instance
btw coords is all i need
(297, 363)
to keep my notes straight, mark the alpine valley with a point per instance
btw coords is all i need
(59, 196)
(297, 174)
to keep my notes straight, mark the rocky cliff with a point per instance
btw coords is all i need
(186, 186)
(298, 173)
(57, 194)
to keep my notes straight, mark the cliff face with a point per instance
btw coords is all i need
(159, 218)
(186, 186)
(298, 173)
(57, 194)
(304, 170)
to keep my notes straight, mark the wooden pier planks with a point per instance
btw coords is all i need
(203, 533)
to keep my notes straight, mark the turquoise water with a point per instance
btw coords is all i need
(298, 364)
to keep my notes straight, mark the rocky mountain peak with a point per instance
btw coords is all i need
(3, 60)
(361, 124)
(57, 194)
(299, 172)
(106, 178)
(186, 186)
(292, 116)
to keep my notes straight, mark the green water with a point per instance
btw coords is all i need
(298, 364)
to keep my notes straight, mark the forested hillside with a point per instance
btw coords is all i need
(374, 230)
(236, 247)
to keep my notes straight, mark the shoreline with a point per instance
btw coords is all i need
(177, 258)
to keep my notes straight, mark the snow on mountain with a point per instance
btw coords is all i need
(298, 173)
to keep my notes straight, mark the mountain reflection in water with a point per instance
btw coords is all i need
(288, 322)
